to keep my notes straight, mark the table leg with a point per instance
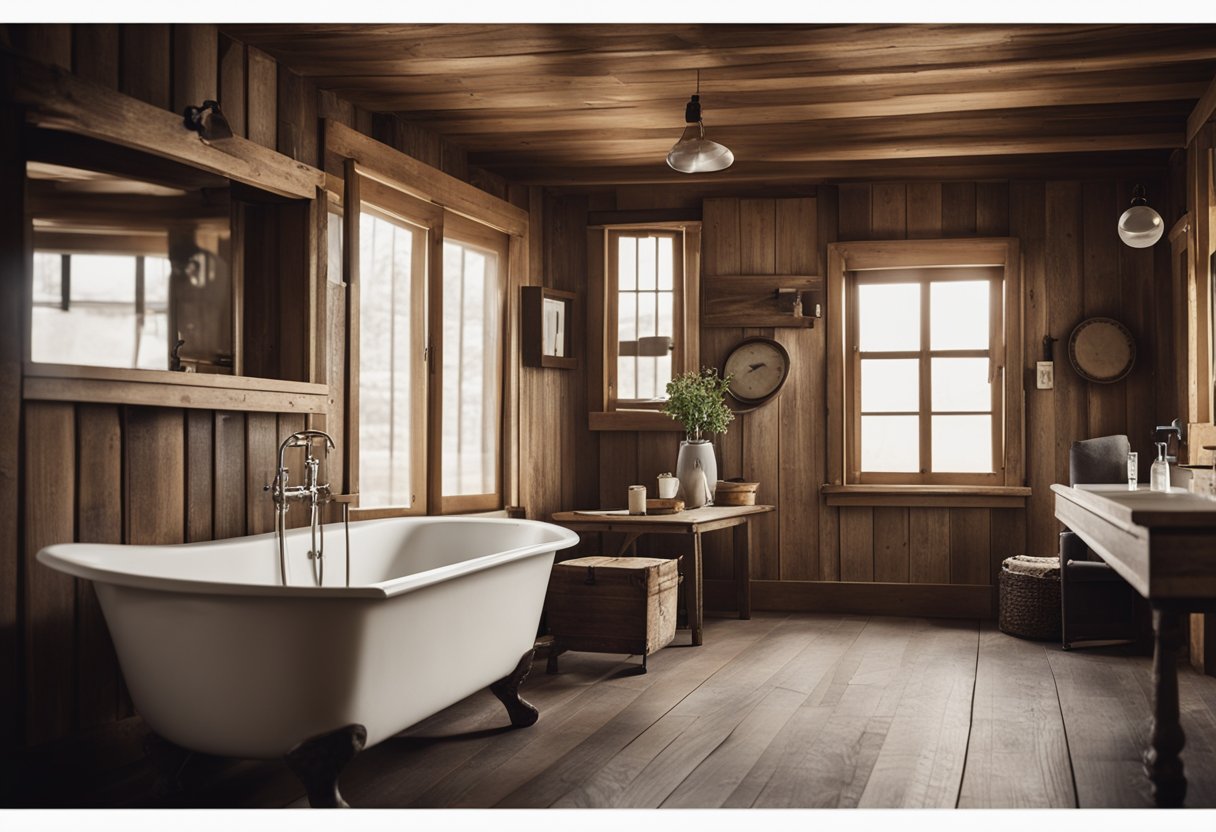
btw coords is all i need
(629, 545)
(743, 567)
(694, 590)
(1162, 762)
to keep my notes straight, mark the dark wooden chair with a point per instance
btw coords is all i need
(1095, 603)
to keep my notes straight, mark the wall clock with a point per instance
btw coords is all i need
(758, 368)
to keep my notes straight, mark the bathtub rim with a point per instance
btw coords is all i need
(62, 558)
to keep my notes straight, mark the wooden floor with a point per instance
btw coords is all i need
(793, 710)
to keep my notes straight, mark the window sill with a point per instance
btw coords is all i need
(933, 496)
(635, 420)
(161, 388)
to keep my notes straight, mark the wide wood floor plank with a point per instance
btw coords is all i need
(569, 771)
(1017, 757)
(708, 715)
(821, 760)
(922, 758)
(1105, 713)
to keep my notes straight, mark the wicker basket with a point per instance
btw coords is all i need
(1030, 597)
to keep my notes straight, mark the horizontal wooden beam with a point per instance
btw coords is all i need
(381, 161)
(57, 100)
(926, 496)
(105, 385)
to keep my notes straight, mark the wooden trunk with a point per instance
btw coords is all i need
(613, 605)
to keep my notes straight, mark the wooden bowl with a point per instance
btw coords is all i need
(732, 493)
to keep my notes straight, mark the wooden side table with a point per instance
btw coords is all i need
(694, 522)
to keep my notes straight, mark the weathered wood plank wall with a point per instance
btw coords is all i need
(1074, 268)
(109, 473)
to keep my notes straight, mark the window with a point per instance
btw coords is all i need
(925, 348)
(428, 370)
(473, 296)
(650, 333)
(391, 374)
(103, 310)
(920, 336)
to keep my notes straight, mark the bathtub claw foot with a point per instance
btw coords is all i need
(318, 761)
(520, 710)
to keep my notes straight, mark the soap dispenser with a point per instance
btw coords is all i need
(1159, 474)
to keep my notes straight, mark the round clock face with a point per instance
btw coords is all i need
(758, 367)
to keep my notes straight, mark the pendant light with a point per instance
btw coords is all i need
(1140, 226)
(694, 153)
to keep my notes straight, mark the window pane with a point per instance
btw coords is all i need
(626, 377)
(890, 385)
(647, 263)
(890, 444)
(156, 282)
(888, 316)
(627, 252)
(48, 286)
(97, 335)
(471, 367)
(645, 308)
(386, 362)
(102, 277)
(961, 384)
(334, 262)
(154, 342)
(958, 315)
(962, 444)
(666, 264)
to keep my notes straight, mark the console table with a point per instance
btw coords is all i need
(693, 522)
(1164, 545)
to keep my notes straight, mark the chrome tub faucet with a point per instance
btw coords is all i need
(311, 492)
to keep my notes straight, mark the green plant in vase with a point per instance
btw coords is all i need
(698, 401)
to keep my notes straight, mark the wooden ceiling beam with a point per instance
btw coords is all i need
(1140, 164)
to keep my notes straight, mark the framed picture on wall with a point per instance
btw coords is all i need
(547, 325)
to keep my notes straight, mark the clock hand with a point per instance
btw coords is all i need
(754, 367)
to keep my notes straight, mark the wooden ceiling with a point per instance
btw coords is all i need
(599, 103)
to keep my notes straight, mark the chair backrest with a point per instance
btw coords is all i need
(1099, 460)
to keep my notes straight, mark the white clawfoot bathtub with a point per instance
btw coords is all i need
(221, 658)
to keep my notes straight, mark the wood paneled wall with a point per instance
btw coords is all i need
(1074, 268)
(136, 474)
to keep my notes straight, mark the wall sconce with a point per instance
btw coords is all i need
(207, 121)
(1140, 226)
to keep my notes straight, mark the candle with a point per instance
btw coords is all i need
(637, 499)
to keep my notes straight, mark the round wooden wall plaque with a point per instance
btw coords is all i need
(1101, 350)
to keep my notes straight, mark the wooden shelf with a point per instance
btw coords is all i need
(941, 496)
(161, 388)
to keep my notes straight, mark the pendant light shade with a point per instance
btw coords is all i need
(1140, 226)
(694, 153)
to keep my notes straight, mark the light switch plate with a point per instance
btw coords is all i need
(1045, 376)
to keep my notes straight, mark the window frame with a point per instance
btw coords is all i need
(843, 412)
(924, 278)
(606, 412)
(363, 187)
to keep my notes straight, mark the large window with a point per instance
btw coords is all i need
(924, 342)
(649, 292)
(926, 347)
(429, 363)
(473, 263)
(391, 378)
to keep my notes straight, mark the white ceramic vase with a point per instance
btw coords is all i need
(697, 471)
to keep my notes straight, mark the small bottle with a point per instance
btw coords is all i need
(1159, 474)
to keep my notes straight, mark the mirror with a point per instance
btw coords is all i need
(132, 259)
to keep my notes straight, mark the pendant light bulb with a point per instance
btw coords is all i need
(694, 153)
(1140, 226)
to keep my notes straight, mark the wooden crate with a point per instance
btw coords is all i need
(613, 605)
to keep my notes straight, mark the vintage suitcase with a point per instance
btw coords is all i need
(612, 605)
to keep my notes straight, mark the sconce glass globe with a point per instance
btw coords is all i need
(1140, 226)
